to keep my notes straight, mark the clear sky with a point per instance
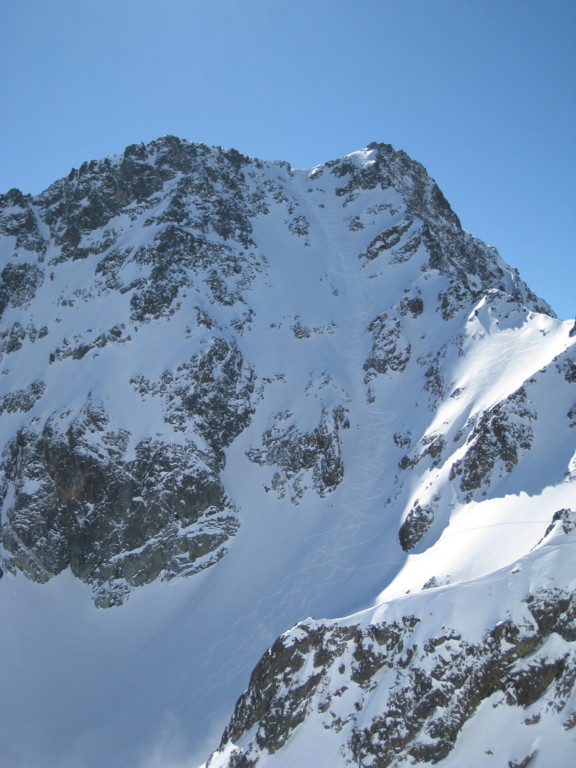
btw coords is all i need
(482, 92)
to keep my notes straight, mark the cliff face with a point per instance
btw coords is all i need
(313, 381)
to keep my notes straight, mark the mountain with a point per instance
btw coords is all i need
(235, 396)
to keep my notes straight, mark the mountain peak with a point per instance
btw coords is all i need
(235, 394)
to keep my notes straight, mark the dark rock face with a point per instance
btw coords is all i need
(22, 399)
(212, 391)
(390, 348)
(391, 238)
(416, 525)
(295, 453)
(160, 513)
(76, 206)
(498, 437)
(157, 510)
(19, 222)
(18, 284)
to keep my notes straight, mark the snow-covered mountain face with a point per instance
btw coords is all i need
(234, 395)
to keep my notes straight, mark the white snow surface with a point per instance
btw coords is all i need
(152, 683)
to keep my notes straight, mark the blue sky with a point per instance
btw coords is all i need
(482, 92)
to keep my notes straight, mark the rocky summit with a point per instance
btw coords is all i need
(235, 396)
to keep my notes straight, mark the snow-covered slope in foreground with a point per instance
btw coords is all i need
(235, 395)
(480, 672)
